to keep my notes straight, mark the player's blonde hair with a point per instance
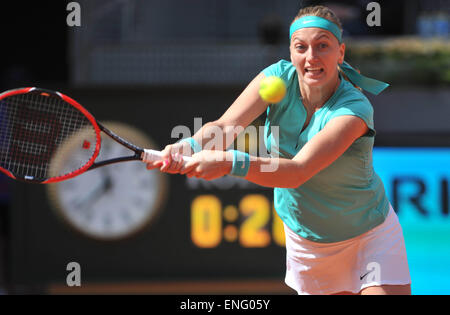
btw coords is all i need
(326, 13)
(320, 11)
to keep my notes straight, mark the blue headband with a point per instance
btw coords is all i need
(368, 84)
(316, 21)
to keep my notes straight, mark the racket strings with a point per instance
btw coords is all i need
(33, 129)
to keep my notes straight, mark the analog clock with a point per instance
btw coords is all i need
(111, 202)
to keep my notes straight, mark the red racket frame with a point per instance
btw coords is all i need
(80, 108)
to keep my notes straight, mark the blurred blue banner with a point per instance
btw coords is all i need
(417, 182)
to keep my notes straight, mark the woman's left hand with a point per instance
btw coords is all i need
(208, 164)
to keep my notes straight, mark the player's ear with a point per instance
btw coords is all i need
(341, 53)
(290, 51)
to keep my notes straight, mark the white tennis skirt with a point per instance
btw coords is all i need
(377, 257)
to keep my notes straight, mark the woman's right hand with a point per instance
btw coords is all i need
(171, 160)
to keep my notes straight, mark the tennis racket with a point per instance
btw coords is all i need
(37, 129)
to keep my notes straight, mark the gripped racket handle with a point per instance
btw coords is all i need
(153, 155)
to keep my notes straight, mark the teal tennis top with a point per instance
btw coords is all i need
(347, 198)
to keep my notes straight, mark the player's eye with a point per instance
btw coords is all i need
(323, 45)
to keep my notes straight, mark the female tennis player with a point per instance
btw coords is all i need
(342, 235)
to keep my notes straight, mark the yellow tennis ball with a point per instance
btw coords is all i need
(272, 89)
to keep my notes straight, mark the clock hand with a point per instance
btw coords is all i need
(104, 186)
(108, 184)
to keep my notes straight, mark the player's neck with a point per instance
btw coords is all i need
(314, 97)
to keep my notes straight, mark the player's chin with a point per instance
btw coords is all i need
(315, 81)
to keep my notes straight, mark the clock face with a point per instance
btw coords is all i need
(114, 201)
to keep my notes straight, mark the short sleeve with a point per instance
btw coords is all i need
(280, 69)
(356, 107)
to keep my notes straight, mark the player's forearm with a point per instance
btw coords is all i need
(276, 172)
(215, 136)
